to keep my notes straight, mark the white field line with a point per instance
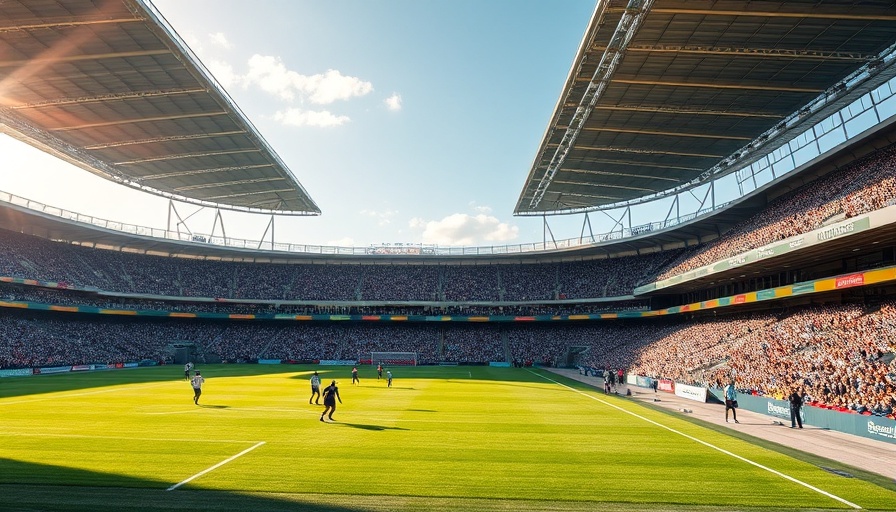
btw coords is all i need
(216, 466)
(21, 433)
(704, 443)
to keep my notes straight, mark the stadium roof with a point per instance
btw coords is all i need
(661, 93)
(110, 87)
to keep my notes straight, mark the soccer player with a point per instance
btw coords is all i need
(355, 379)
(187, 369)
(197, 381)
(730, 401)
(796, 403)
(388, 378)
(379, 371)
(315, 388)
(331, 394)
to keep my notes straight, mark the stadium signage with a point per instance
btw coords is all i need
(19, 372)
(55, 369)
(844, 229)
(874, 219)
(695, 393)
(888, 431)
(779, 411)
(850, 281)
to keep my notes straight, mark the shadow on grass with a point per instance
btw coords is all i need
(31, 487)
(368, 427)
(55, 383)
(214, 406)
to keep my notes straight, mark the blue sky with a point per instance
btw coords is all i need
(412, 121)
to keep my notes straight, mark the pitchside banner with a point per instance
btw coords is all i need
(695, 393)
(871, 427)
(21, 372)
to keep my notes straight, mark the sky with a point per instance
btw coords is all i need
(406, 121)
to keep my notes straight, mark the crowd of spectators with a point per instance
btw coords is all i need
(865, 185)
(842, 355)
(29, 257)
(75, 298)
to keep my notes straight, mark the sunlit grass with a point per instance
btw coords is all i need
(447, 438)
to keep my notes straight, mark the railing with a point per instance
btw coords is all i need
(395, 250)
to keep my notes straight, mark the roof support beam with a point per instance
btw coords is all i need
(137, 120)
(714, 136)
(814, 14)
(684, 111)
(67, 22)
(107, 98)
(228, 183)
(744, 87)
(157, 140)
(629, 23)
(75, 58)
(244, 194)
(199, 154)
(630, 175)
(750, 52)
(195, 172)
(620, 149)
(602, 185)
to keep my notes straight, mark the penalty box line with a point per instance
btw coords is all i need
(705, 443)
(216, 466)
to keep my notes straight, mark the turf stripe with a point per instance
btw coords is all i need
(55, 396)
(216, 466)
(34, 433)
(709, 445)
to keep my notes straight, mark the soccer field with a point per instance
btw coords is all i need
(442, 438)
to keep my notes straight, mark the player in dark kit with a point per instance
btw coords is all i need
(796, 403)
(355, 379)
(331, 394)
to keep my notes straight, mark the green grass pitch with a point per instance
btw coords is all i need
(442, 438)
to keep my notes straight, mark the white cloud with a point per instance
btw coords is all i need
(271, 75)
(333, 85)
(481, 208)
(382, 218)
(393, 102)
(463, 229)
(223, 72)
(301, 117)
(220, 39)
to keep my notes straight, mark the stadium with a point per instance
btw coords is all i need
(499, 353)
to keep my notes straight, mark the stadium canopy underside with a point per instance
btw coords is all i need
(108, 86)
(664, 95)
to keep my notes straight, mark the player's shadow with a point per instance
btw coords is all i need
(214, 406)
(370, 427)
(421, 410)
